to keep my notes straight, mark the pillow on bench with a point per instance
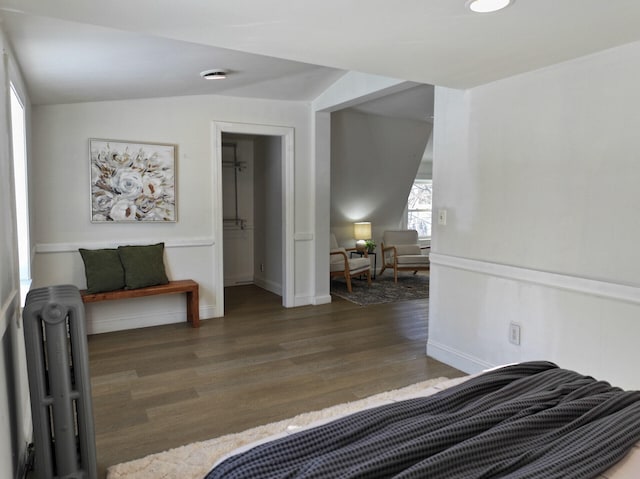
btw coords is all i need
(128, 267)
(103, 270)
(143, 265)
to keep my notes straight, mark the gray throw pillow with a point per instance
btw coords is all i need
(143, 265)
(103, 270)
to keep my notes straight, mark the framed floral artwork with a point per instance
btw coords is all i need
(132, 181)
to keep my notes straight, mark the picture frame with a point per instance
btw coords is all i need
(132, 181)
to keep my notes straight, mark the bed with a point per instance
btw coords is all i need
(533, 420)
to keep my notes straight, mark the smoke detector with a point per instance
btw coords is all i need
(214, 74)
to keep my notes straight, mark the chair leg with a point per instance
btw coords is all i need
(348, 278)
(395, 275)
(369, 278)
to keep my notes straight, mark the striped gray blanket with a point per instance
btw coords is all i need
(531, 420)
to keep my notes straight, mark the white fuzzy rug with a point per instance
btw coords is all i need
(195, 460)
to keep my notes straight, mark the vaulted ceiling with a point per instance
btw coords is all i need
(74, 50)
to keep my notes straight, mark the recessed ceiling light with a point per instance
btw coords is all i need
(487, 6)
(214, 74)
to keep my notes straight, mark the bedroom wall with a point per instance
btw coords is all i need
(374, 160)
(539, 177)
(15, 414)
(61, 203)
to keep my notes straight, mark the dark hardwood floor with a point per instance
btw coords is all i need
(162, 387)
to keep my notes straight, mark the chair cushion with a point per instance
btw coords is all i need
(407, 249)
(412, 259)
(356, 265)
(359, 264)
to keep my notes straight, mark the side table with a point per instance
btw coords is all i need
(375, 260)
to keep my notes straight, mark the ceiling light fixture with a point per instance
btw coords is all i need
(487, 6)
(214, 74)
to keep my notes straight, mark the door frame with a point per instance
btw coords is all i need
(286, 135)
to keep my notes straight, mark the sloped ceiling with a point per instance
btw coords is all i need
(437, 42)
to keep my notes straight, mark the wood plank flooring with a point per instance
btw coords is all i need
(162, 387)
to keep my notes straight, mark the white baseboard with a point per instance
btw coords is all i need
(324, 299)
(209, 311)
(238, 280)
(457, 359)
(303, 301)
(271, 286)
(121, 323)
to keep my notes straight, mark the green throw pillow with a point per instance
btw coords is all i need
(143, 265)
(103, 270)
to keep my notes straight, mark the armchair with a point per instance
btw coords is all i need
(342, 265)
(401, 252)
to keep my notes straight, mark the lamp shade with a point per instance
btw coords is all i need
(362, 230)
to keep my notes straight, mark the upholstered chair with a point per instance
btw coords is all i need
(341, 264)
(402, 252)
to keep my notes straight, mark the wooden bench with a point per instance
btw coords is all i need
(182, 286)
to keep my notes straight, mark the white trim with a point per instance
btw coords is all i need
(594, 287)
(323, 299)
(457, 359)
(270, 286)
(288, 200)
(303, 301)
(44, 248)
(238, 280)
(208, 311)
(288, 191)
(123, 323)
(303, 237)
(5, 308)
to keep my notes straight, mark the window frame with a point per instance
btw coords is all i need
(19, 161)
(410, 210)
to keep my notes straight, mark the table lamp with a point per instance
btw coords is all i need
(362, 232)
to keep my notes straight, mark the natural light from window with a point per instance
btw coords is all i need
(419, 208)
(18, 133)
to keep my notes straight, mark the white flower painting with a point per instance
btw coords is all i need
(132, 181)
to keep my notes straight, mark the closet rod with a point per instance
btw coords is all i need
(236, 167)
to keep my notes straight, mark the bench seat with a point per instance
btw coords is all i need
(187, 286)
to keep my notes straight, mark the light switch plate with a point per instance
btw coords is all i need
(442, 217)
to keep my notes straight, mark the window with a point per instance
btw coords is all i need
(18, 143)
(419, 208)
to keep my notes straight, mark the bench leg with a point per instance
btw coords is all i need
(193, 307)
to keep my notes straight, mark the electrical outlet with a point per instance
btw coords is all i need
(514, 333)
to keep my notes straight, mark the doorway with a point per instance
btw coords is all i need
(253, 175)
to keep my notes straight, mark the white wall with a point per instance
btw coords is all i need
(15, 415)
(374, 160)
(539, 175)
(61, 203)
(269, 213)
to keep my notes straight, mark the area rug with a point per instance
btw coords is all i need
(383, 289)
(195, 460)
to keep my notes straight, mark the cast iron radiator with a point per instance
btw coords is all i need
(59, 383)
